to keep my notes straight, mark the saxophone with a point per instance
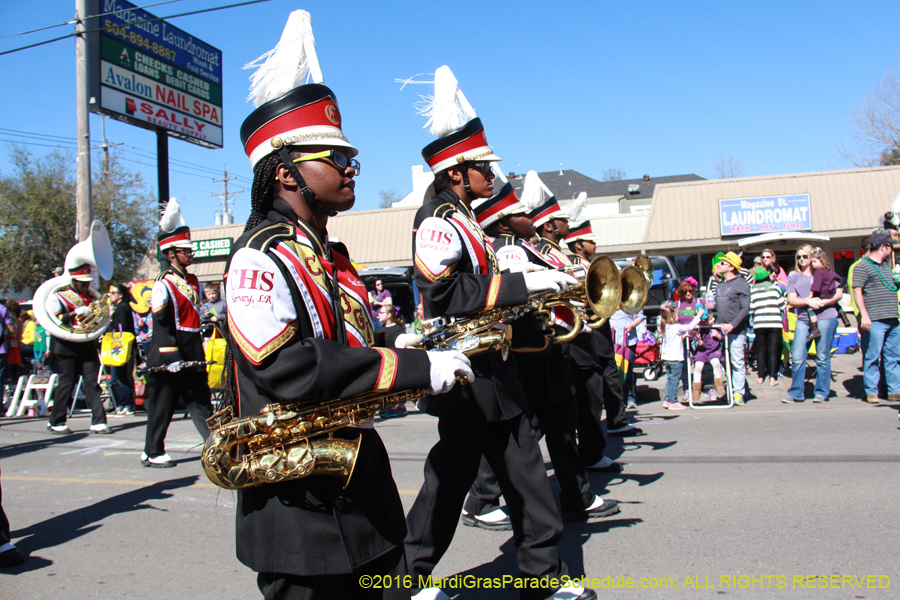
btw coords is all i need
(290, 441)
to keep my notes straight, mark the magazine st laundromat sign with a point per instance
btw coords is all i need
(768, 214)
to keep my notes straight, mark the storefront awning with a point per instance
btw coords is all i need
(797, 236)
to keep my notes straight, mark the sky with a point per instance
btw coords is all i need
(656, 88)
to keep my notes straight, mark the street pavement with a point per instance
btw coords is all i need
(767, 500)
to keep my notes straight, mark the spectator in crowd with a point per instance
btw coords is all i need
(708, 350)
(672, 351)
(686, 305)
(875, 292)
(13, 345)
(767, 306)
(391, 322)
(378, 296)
(800, 298)
(213, 310)
(7, 333)
(420, 319)
(714, 279)
(733, 308)
(770, 261)
(122, 378)
(864, 247)
(625, 330)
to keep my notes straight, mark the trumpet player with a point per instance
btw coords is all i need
(546, 376)
(457, 273)
(300, 330)
(69, 305)
(592, 354)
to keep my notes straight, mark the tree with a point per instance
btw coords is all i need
(727, 167)
(388, 197)
(876, 125)
(37, 216)
(613, 175)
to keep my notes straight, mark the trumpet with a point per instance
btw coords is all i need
(603, 289)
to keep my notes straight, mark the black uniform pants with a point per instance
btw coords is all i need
(70, 367)
(613, 400)
(512, 451)
(4, 523)
(189, 384)
(278, 586)
(557, 423)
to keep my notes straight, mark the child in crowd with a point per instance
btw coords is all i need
(672, 350)
(824, 285)
(708, 350)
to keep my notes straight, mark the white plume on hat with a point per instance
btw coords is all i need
(573, 209)
(534, 192)
(498, 173)
(288, 64)
(447, 110)
(171, 218)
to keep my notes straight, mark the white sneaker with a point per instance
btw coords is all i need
(101, 428)
(574, 591)
(432, 593)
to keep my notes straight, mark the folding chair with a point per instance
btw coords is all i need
(41, 402)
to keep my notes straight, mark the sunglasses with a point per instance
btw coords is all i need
(339, 159)
(484, 167)
(187, 251)
(803, 256)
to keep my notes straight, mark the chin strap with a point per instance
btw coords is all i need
(307, 193)
(464, 169)
(555, 230)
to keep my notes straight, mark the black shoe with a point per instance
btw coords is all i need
(606, 509)
(625, 431)
(503, 524)
(64, 431)
(813, 334)
(606, 465)
(11, 558)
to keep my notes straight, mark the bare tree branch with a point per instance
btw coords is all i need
(615, 174)
(388, 197)
(727, 167)
(876, 125)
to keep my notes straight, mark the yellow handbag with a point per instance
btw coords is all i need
(115, 349)
(214, 350)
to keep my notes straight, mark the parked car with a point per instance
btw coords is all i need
(665, 281)
(399, 282)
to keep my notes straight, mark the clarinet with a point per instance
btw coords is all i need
(185, 364)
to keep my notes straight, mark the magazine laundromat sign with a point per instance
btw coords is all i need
(740, 216)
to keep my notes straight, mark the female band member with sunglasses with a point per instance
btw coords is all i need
(300, 330)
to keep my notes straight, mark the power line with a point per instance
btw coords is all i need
(76, 33)
(73, 21)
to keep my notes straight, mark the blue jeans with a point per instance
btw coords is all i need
(736, 344)
(799, 351)
(674, 369)
(882, 341)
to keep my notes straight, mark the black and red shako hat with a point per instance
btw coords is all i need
(579, 232)
(81, 272)
(308, 115)
(502, 204)
(546, 211)
(179, 238)
(468, 143)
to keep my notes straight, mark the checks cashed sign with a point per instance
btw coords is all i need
(148, 73)
(766, 214)
(211, 248)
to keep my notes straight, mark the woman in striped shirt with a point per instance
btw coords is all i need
(767, 305)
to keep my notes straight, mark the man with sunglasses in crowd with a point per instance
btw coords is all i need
(175, 301)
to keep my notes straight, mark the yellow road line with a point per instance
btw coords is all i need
(125, 482)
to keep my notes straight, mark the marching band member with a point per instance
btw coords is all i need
(300, 328)
(590, 351)
(175, 301)
(75, 358)
(546, 376)
(457, 273)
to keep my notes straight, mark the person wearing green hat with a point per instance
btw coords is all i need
(733, 308)
(767, 305)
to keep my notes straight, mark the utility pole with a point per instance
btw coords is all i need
(83, 180)
(106, 146)
(225, 194)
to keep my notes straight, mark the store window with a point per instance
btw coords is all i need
(687, 265)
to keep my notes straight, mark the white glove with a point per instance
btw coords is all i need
(552, 281)
(526, 267)
(82, 311)
(408, 340)
(445, 366)
(174, 367)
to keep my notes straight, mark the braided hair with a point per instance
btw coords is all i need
(262, 195)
